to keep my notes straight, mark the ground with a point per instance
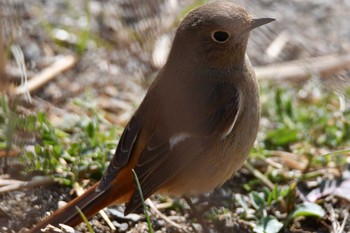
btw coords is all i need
(119, 48)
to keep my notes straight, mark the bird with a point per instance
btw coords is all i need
(195, 126)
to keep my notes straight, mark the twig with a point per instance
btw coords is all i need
(259, 175)
(165, 205)
(6, 182)
(302, 70)
(163, 216)
(108, 221)
(47, 74)
(38, 181)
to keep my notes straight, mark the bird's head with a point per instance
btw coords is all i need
(216, 34)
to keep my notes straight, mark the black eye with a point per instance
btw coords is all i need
(220, 36)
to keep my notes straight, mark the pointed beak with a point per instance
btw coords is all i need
(259, 22)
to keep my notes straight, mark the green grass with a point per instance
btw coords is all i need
(77, 147)
(138, 186)
(80, 147)
(314, 128)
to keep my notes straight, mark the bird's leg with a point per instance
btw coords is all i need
(199, 216)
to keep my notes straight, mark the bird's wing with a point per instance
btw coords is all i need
(123, 152)
(164, 155)
(176, 139)
(155, 168)
(219, 117)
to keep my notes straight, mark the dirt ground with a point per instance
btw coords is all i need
(120, 71)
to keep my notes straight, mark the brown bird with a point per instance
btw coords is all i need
(197, 123)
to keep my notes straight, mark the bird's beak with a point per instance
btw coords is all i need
(259, 22)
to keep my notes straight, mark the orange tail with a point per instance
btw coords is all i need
(90, 203)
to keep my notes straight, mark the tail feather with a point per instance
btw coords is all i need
(89, 203)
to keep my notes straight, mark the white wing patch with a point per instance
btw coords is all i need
(178, 138)
(228, 131)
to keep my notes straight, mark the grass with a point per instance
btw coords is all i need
(306, 121)
(85, 220)
(315, 129)
(76, 147)
(138, 185)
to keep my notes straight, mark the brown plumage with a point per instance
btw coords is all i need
(197, 123)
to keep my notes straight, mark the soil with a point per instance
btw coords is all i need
(130, 29)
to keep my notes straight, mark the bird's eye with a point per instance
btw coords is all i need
(220, 36)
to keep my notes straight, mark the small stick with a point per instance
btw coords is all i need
(27, 184)
(47, 74)
(108, 221)
(6, 182)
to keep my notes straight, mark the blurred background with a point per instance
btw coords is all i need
(73, 72)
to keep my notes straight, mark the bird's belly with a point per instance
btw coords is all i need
(219, 159)
(208, 171)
